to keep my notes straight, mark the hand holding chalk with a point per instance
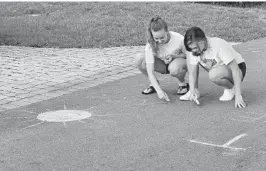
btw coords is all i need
(194, 96)
(196, 101)
(166, 97)
(163, 95)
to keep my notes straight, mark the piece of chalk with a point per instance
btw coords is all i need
(196, 101)
(167, 99)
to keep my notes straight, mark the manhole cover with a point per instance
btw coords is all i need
(63, 115)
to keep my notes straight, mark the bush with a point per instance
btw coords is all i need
(236, 4)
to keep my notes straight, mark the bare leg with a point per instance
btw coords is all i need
(222, 76)
(159, 65)
(141, 64)
(178, 69)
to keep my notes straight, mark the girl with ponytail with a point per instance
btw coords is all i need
(164, 53)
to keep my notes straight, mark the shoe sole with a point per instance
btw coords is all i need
(183, 100)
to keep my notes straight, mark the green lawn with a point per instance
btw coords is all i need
(103, 24)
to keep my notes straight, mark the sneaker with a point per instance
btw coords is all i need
(228, 95)
(149, 90)
(186, 97)
(183, 89)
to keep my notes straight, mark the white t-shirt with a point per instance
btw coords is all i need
(219, 52)
(174, 46)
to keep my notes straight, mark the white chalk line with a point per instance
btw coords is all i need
(215, 145)
(242, 120)
(91, 108)
(144, 103)
(19, 117)
(260, 117)
(225, 145)
(115, 101)
(32, 125)
(235, 139)
(248, 119)
(26, 111)
(230, 153)
(104, 115)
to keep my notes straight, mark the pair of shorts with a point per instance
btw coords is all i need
(242, 66)
(160, 66)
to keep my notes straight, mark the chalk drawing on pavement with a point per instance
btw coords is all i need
(64, 115)
(249, 119)
(226, 146)
(60, 116)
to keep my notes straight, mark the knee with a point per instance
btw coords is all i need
(140, 61)
(213, 76)
(175, 69)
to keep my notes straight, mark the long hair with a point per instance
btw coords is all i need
(156, 24)
(193, 34)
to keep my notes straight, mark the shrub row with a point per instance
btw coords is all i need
(236, 4)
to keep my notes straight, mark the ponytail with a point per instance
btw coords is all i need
(156, 24)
